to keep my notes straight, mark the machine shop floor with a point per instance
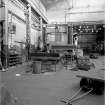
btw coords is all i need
(48, 88)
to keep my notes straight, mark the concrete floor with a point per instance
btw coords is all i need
(48, 88)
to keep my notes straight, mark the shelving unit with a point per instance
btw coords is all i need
(14, 59)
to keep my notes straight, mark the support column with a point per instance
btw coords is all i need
(4, 47)
(41, 24)
(44, 35)
(70, 36)
(28, 31)
(41, 31)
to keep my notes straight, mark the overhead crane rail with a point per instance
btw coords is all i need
(86, 12)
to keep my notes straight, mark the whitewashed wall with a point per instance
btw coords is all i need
(20, 25)
(2, 13)
(34, 36)
(20, 30)
(17, 8)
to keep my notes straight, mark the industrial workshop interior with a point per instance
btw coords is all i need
(52, 52)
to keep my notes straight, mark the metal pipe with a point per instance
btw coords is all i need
(86, 12)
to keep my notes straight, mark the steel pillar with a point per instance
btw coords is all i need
(28, 31)
(41, 31)
(70, 35)
(4, 42)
